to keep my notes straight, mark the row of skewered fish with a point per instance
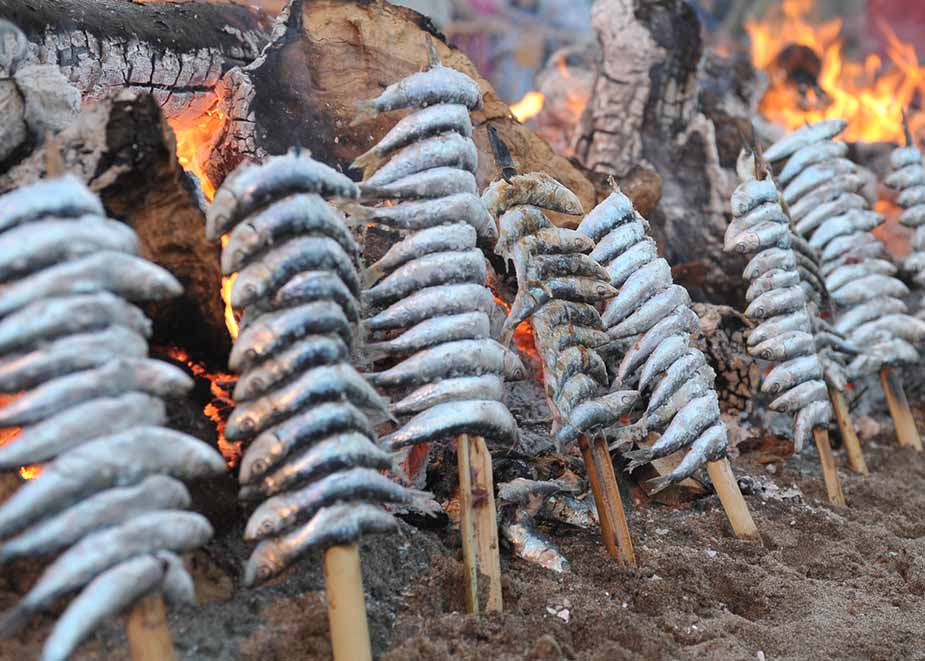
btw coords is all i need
(824, 193)
(652, 320)
(109, 500)
(425, 299)
(312, 457)
(908, 179)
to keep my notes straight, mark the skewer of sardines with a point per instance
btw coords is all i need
(908, 180)
(426, 304)
(90, 409)
(824, 193)
(652, 319)
(312, 456)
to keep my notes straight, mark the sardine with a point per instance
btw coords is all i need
(71, 427)
(579, 388)
(815, 176)
(450, 150)
(280, 513)
(651, 312)
(172, 530)
(44, 320)
(913, 216)
(766, 235)
(101, 510)
(667, 352)
(903, 156)
(710, 446)
(911, 197)
(431, 302)
(839, 185)
(69, 354)
(769, 260)
(906, 177)
(451, 359)
(816, 414)
(308, 427)
(615, 210)
(840, 205)
(547, 267)
(125, 275)
(310, 287)
(252, 186)
(440, 268)
(536, 189)
(677, 373)
(853, 221)
(698, 384)
(861, 251)
(565, 313)
(325, 383)
(592, 414)
(311, 351)
(532, 546)
(560, 338)
(785, 346)
(63, 197)
(442, 238)
(436, 85)
(619, 240)
(787, 375)
(892, 352)
(770, 212)
(691, 421)
(420, 215)
(868, 287)
(818, 152)
(776, 302)
(481, 417)
(774, 326)
(803, 137)
(681, 321)
(424, 123)
(516, 223)
(331, 455)
(752, 194)
(903, 326)
(339, 524)
(849, 245)
(771, 280)
(116, 377)
(649, 281)
(435, 183)
(635, 257)
(271, 333)
(537, 294)
(30, 247)
(800, 396)
(265, 276)
(107, 595)
(848, 273)
(434, 331)
(485, 386)
(578, 359)
(551, 241)
(120, 459)
(296, 214)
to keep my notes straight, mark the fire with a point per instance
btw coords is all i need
(870, 94)
(529, 106)
(222, 402)
(195, 142)
(524, 339)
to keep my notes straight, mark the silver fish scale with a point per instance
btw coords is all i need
(823, 195)
(77, 347)
(658, 325)
(433, 347)
(298, 393)
(786, 334)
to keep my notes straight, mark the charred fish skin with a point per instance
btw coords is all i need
(63, 197)
(417, 215)
(437, 85)
(536, 189)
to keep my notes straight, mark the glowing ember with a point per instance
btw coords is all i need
(195, 142)
(869, 94)
(231, 319)
(218, 409)
(528, 107)
(524, 340)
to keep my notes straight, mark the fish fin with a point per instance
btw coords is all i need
(637, 458)
(660, 483)
(424, 502)
(366, 110)
(14, 620)
(376, 351)
(357, 214)
(369, 160)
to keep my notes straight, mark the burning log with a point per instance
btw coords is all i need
(93, 405)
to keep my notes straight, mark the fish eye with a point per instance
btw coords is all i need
(239, 255)
(264, 572)
(247, 424)
(259, 466)
(265, 528)
(252, 354)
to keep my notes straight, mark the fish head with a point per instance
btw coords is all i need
(262, 524)
(747, 242)
(604, 290)
(249, 285)
(265, 562)
(260, 457)
(251, 382)
(768, 353)
(220, 213)
(514, 367)
(243, 422)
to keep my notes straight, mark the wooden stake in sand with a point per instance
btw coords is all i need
(846, 427)
(829, 469)
(346, 604)
(611, 514)
(146, 628)
(899, 409)
(724, 481)
(478, 523)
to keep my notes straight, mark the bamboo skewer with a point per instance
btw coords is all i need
(608, 500)
(486, 521)
(610, 540)
(467, 524)
(906, 431)
(346, 604)
(733, 503)
(849, 436)
(829, 469)
(148, 635)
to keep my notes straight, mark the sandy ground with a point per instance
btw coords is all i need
(825, 583)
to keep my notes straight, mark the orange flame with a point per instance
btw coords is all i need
(529, 106)
(870, 95)
(195, 142)
(217, 410)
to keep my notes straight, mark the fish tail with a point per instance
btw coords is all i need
(366, 110)
(371, 275)
(424, 501)
(637, 458)
(377, 350)
(357, 214)
(370, 161)
(13, 620)
(659, 483)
